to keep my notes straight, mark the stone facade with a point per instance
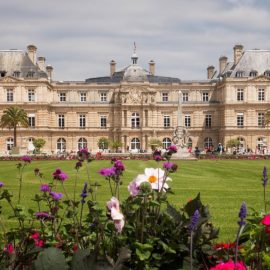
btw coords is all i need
(134, 105)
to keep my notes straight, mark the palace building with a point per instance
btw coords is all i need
(134, 105)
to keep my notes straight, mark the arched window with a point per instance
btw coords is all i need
(30, 146)
(166, 142)
(135, 120)
(82, 143)
(208, 142)
(189, 142)
(261, 143)
(242, 142)
(135, 144)
(61, 145)
(10, 143)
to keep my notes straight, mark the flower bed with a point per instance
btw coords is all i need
(142, 232)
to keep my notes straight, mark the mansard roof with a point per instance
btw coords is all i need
(16, 61)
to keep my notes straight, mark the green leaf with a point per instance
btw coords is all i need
(50, 259)
(193, 205)
(82, 260)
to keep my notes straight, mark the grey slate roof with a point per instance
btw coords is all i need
(17, 61)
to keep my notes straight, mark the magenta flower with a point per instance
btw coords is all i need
(60, 175)
(45, 188)
(169, 166)
(172, 148)
(43, 215)
(119, 166)
(9, 248)
(26, 159)
(107, 172)
(229, 265)
(56, 196)
(1, 184)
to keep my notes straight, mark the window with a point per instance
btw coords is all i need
(267, 73)
(187, 121)
(239, 74)
(30, 74)
(253, 73)
(240, 94)
(82, 120)
(166, 142)
(185, 97)
(61, 145)
(10, 95)
(82, 97)
(242, 142)
(208, 121)
(103, 121)
(240, 120)
(261, 95)
(61, 121)
(16, 74)
(135, 120)
(30, 146)
(103, 97)
(10, 143)
(31, 95)
(165, 97)
(31, 120)
(135, 144)
(261, 143)
(189, 142)
(167, 121)
(62, 97)
(260, 119)
(82, 143)
(208, 142)
(205, 96)
(3, 73)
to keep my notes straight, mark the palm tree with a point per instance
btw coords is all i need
(12, 118)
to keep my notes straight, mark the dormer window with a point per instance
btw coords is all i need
(253, 73)
(3, 73)
(267, 73)
(30, 74)
(239, 74)
(16, 74)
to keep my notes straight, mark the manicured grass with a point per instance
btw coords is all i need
(223, 184)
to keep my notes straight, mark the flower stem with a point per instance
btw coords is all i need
(191, 250)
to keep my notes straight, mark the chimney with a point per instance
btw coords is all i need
(49, 70)
(32, 53)
(152, 67)
(41, 63)
(112, 67)
(222, 63)
(210, 72)
(237, 52)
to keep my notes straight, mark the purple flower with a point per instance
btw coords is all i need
(26, 159)
(169, 166)
(194, 221)
(1, 184)
(56, 196)
(83, 154)
(60, 175)
(78, 165)
(242, 214)
(43, 215)
(45, 188)
(107, 172)
(119, 166)
(172, 149)
(84, 193)
(158, 157)
(265, 177)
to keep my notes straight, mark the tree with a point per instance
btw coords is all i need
(103, 143)
(267, 118)
(115, 145)
(38, 143)
(154, 143)
(233, 143)
(14, 117)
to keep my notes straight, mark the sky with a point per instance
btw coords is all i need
(79, 38)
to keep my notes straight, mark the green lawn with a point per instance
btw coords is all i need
(223, 184)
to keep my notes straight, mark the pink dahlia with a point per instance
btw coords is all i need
(266, 220)
(229, 265)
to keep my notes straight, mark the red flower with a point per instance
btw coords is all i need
(224, 246)
(9, 248)
(75, 248)
(229, 266)
(266, 220)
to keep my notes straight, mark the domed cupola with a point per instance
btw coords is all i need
(135, 73)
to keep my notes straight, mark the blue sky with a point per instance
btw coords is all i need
(79, 38)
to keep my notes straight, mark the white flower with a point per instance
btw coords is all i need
(155, 177)
(116, 215)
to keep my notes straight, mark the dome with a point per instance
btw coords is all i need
(135, 73)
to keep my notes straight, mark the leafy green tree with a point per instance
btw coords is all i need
(103, 143)
(115, 145)
(233, 143)
(154, 143)
(267, 118)
(38, 143)
(12, 118)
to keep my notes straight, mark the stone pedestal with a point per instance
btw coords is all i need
(183, 153)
